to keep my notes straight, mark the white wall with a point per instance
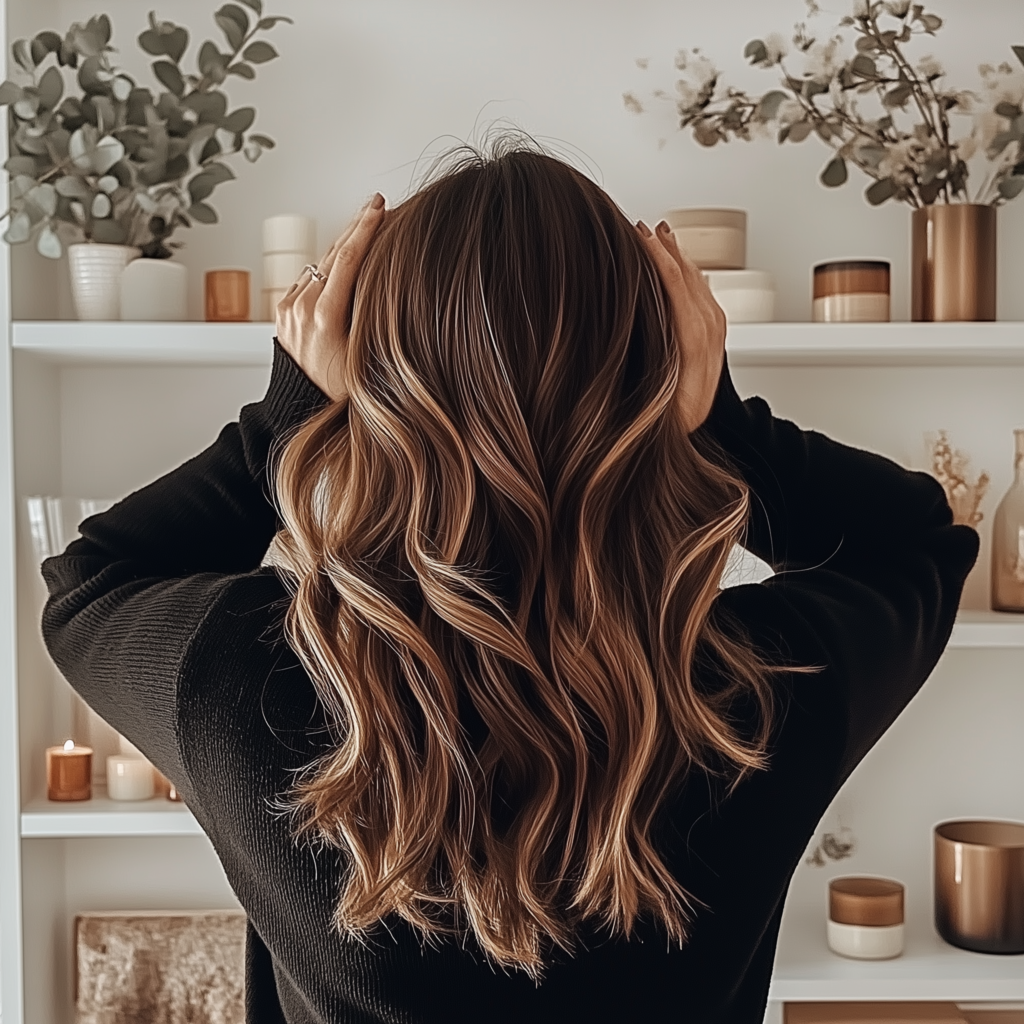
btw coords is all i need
(366, 91)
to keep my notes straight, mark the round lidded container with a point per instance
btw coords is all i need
(715, 239)
(746, 296)
(851, 291)
(865, 917)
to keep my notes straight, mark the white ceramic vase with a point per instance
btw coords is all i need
(96, 278)
(154, 290)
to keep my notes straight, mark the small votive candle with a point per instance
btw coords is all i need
(129, 778)
(851, 291)
(865, 917)
(227, 295)
(69, 772)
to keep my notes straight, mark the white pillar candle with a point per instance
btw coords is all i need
(129, 778)
(289, 233)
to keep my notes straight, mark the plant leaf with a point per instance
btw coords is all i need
(1005, 109)
(239, 120)
(51, 89)
(201, 187)
(203, 213)
(176, 43)
(232, 33)
(835, 173)
(10, 92)
(108, 183)
(878, 191)
(152, 42)
(101, 205)
(22, 54)
(259, 52)
(21, 165)
(210, 57)
(256, 5)
(1010, 188)
(19, 229)
(218, 172)
(169, 76)
(1018, 50)
(107, 153)
(263, 140)
(122, 88)
(242, 70)
(768, 105)
(265, 23)
(72, 187)
(799, 131)
(48, 244)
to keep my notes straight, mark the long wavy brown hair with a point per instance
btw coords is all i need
(505, 551)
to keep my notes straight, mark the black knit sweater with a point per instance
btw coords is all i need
(163, 620)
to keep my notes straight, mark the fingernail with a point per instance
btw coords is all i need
(663, 227)
(643, 229)
(377, 201)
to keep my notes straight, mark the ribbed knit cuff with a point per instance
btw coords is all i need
(291, 396)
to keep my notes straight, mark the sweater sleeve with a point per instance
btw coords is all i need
(869, 565)
(127, 597)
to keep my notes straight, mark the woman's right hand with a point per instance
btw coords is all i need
(697, 319)
(314, 317)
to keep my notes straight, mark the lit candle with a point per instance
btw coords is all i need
(129, 778)
(69, 772)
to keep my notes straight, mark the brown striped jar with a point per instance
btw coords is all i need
(865, 917)
(851, 291)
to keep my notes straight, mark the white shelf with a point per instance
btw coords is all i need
(102, 816)
(189, 343)
(887, 344)
(929, 969)
(988, 629)
(775, 344)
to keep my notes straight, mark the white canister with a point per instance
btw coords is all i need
(746, 296)
(715, 239)
(865, 917)
(96, 270)
(129, 778)
(270, 298)
(282, 269)
(154, 290)
(289, 232)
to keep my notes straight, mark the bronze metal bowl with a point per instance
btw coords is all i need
(979, 885)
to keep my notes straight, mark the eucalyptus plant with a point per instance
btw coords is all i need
(874, 105)
(116, 161)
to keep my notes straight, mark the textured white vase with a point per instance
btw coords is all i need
(154, 290)
(96, 278)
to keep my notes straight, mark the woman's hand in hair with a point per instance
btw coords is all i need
(314, 317)
(697, 319)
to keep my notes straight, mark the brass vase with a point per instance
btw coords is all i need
(953, 257)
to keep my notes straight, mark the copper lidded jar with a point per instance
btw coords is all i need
(953, 262)
(865, 917)
(851, 291)
(979, 885)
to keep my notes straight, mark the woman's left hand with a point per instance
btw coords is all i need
(314, 317)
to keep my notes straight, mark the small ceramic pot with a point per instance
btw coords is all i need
(96, 271)
(154, 290)
(851, 291)
(865, 917)
(714, 239)
(746, 296)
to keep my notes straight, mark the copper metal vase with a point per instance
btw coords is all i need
(979, 885)
(953, 257)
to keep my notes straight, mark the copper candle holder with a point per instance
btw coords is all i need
(227, 295)
(979, 885)
(68, 772)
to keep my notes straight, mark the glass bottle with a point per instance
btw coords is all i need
(1008, 540)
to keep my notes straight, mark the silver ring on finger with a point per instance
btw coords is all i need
(314, 272)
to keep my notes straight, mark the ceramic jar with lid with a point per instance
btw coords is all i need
(715, 239)
(865, 917)
(851, 291)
